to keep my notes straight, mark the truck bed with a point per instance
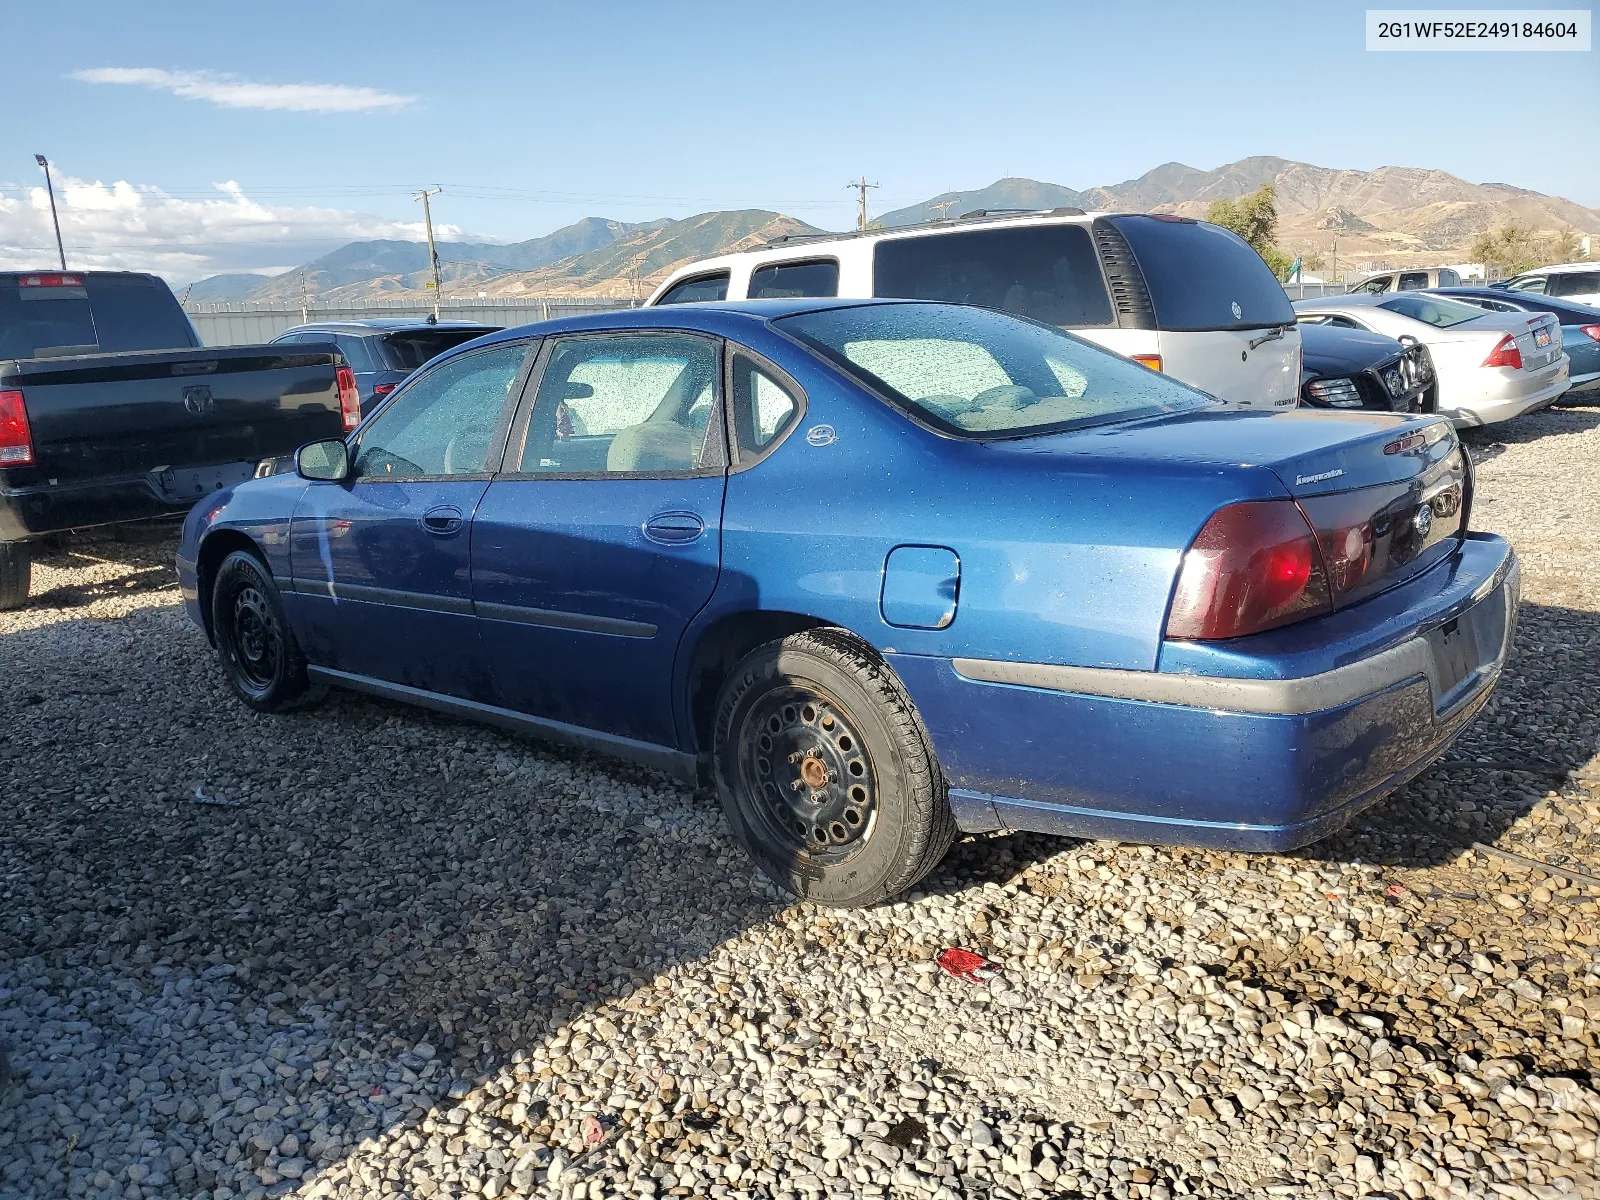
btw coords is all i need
(119, 437)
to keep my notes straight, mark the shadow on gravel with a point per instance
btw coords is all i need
(1490, 441)
(144, 579)
(1543, 726)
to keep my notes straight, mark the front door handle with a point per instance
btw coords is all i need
(442, 520)
(674, 528)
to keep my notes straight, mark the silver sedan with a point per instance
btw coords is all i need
(1491, 366)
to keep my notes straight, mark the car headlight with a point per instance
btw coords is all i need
(1340, 393)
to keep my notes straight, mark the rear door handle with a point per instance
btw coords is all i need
(674, 528)
(443, 520)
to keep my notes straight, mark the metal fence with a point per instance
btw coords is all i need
(1300, 291)
(248, 323)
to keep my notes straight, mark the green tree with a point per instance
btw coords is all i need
(1565, 244)
(1255, 219)
(1509, 249)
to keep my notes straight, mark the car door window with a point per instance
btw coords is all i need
(1534, 283)
(1375, 286)
(355, 352)
(1410, 281)
(627, 405)
(699, 290)
(1575, 283)
(444, 422)
(765, 407)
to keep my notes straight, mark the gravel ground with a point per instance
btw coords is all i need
(398, 955)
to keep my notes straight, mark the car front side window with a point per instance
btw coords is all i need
(444, 422)
(1533, 283)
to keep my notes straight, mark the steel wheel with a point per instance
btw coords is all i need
(257, 639)
(260, 657)
(801, 753)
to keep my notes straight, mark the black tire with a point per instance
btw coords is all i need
(260, 657)
(826, 773)
(16, 574)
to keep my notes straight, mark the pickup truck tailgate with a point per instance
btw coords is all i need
(100, 417)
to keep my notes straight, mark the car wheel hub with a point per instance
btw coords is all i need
(255, 637)
(804, 760)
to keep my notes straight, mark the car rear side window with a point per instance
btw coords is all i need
(1048, 272)
(1203, 277)
(1448, 278)
(764, 407)
(355, 352)
(785, 280)
(1574, 283)
(1432, 310)
(699, 290)
(1411, 281)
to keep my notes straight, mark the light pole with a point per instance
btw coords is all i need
(54, 220)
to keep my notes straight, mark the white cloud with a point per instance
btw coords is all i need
(124, 226)
(230, 91)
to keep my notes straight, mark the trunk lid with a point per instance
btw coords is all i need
(1387, 496)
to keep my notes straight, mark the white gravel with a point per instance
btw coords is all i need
(413, 957)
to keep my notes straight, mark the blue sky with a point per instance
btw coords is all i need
(533, 115)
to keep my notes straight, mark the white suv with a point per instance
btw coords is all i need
(1175, 294)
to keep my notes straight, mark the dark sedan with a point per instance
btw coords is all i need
(1580, 329)
(1351, 368)
(382, 352)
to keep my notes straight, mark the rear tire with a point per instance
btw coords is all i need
(260, 657)
(16, 574)
(826, 773)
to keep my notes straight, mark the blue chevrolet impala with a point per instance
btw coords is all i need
(881, 571)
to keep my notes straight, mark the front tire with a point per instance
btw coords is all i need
(260, 657)
(826, 773)
(16, 574)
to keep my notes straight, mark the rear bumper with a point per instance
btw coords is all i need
(31, 512)
(1541, 390)
(1254, 761)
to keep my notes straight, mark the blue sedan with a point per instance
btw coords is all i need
(881, 572)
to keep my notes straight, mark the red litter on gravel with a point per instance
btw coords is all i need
(593, 1132)
(964, 964)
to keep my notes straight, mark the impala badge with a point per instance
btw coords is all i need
(821, 435)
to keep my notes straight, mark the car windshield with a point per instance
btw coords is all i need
(1432, 310)
(981, 374)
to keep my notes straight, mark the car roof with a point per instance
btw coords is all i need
(386, 325)
(726, 318)
(1560, 269)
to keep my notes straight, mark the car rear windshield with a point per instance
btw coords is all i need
(65, 314)
(1432, 310)
(976, 373)
(409, 350)
(1202, 277)
(1048, 272)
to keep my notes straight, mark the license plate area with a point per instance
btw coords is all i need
(1541, 337)
(1466, 644)
(187, 484)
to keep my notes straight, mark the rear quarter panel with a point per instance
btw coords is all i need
(1060, 561)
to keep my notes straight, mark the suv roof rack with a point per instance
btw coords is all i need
(982, 214)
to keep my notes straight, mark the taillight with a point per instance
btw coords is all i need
(1254, 566)
(383, 389)
(16, 439)
(349, 398)
(1592, 332)
(1505, 354)
(1153, 361)
(51, 280)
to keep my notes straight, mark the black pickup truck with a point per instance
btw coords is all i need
(111, 411)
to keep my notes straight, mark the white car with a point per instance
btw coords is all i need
(1408, 281)
(1178, 295)
(1578, 281)
(1490, 366)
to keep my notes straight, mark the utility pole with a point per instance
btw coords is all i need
(861, 185)
(54, 220)
(1334, 269)
(304, 315)
(433, 255)
(944, 206)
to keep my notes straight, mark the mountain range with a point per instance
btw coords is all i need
(1391, 216)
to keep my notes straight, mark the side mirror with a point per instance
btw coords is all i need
(323, 462)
